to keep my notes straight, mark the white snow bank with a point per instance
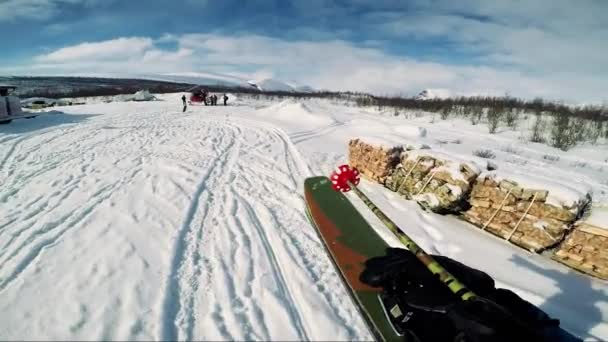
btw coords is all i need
(561, 193)
(295, 113)
(411, 131)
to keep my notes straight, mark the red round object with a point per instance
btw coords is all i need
(344, 174)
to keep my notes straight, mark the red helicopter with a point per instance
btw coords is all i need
(198, 96)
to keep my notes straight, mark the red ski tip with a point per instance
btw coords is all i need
(342, 176)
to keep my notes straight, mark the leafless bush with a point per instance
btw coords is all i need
(445, 112)
(488, 154)
(494, 116)
(510, 149)
(551, 157)
(517, 161)
(538, 130)
(476, 114)
(579, 164)
(562, 136)
(511, 117)
(596, 128)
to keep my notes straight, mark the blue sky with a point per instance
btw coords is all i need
(553, 48)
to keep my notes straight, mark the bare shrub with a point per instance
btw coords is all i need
(562, 136)
(538, 130)
(476, 114)
(579, 130)
(488, 154)
(579, 164)
(595, 130)
(510, 149)
(518, 161)
(494, 115)
(551, 157)
(511, 117)
(445, 112)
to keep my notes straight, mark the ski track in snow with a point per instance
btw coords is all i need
(239, 264)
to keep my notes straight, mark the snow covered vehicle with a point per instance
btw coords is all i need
(10, 106)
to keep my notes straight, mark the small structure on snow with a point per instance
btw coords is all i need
(10, 106)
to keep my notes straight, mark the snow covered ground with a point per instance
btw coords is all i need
(137, 221)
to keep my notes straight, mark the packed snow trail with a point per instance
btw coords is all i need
(158, 225)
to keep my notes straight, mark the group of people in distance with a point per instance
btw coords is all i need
(204, 97)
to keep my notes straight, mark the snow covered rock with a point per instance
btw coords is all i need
(586, 248)
(143, 95)
(530, 212)
(374, 162)
(435, 180)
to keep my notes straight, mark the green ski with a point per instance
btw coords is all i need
(350, 241)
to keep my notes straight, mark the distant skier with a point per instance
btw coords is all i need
(184, 103)
(225, 99)
(204, 95)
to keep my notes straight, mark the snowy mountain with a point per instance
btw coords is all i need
(428, 94)
(270, 84)
(304, 89)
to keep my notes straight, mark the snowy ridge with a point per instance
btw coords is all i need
(200, 78)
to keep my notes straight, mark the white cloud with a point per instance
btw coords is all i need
(336, 65)
(13, 10)
(116, 49)
(546, 37)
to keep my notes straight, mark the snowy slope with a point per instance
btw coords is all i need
(136, 221)
(269, 84)
(201, 78)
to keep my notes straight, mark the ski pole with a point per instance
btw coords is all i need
(346, 179)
